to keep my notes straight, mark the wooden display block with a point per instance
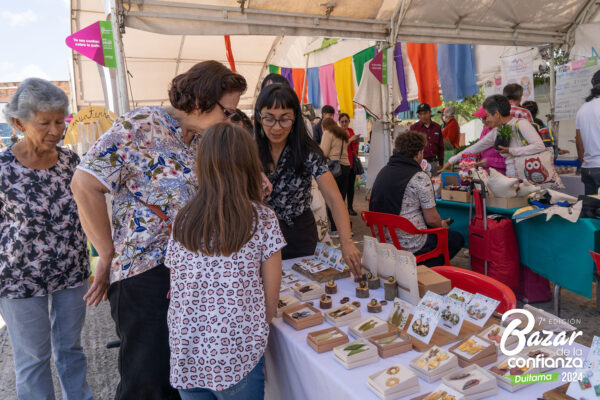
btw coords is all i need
(473, 382)
(308, 291)
(326, 339)
(343, 315)
(370, 326)
(356, 354)
(494, 334)
(391, 343)
(314, 318)
(285, 302)
(475, 350)
(434, 363)
(456, 195)
(394, 382)
(513, 202)
(442, 338)
(330, 274)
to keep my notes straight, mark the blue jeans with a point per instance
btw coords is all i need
(252, 387)
(38, 326)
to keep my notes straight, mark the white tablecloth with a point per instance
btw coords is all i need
(295, 371)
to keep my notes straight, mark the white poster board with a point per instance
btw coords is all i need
(572, 87)
(519, 69)
(377, 156)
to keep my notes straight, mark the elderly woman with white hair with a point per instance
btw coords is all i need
(43, 254)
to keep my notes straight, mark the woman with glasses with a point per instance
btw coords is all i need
(352, 153)
(146, 161)
(290, 159)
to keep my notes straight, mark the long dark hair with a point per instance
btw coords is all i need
(330, 125)
(229, 180)
(299, 141)
(595, 92)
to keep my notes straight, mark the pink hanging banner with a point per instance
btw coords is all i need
(95, 42)
(328, 90)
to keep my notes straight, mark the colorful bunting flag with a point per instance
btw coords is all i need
(327, 81)
(423, 59)
(314, 87)
(298, 79)
(457, 71)
(344, 85)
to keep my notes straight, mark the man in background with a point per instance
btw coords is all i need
(326, 112)
(434, 149)
(514, 93)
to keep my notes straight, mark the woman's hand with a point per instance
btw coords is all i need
(354, 138)
(98, 291)
(504, 150)
(266, 185)
(446, 166)
(351, 256)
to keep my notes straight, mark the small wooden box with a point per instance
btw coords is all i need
(513, 202)
(401, 344)
(352, 314)
(422, 364)
(394, 382)
(456, 195)
(316, 318)
(487, 355)
(323, 346)
(367, 355)
(380, 327)
(485, 384)
(286, 301)
(314, 291)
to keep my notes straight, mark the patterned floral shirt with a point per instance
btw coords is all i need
(418, 195)
(142, 157)
(217, 318)
(42, 246)
(291, 194)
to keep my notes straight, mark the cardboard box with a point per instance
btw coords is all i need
(315, 317)
(450, 179)
(513, 202)
(431, 280)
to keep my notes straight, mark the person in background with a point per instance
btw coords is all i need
(434, 147)
(326, 112)
(544, 130)
(44, 263)
(402, 188)
(514, 93)
(14, 138)
(497, 113)
(146, 161)
(353, 140)
(490, 157)
(587, 138)
(451, 131)
(241, 119)
(290, 158)
(234, 243)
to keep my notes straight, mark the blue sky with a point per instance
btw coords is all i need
(32, 43)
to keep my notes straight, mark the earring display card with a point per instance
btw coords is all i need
(368, 327)
(302, 316)
(399, 314)
(433, 301)
(285, 302)
(460, 295)
(309, 291)
(502, 371)
(343, 315)
(326, 339)
(391, 343)
(443, 392)
(434, 363)
(589, 385)
(394, 382)
(423, 324)
(452, 315)
(406, 276)
(494, 334)
(480, 309)
(475, 350)
(355, 354)
(473, 382)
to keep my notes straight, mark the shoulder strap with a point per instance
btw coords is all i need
(156, 210)
(519, 132)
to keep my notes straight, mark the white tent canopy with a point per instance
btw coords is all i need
(162, 38)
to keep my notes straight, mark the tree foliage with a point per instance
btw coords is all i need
(464, 108)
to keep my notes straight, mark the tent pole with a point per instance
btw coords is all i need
(304, 88)
(553, 123)
(123, 97)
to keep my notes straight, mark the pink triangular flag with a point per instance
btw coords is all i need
(88, 42)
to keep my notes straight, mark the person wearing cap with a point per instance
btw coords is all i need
(451, 131)
(434, 149)
(490, 157)
(587, 138)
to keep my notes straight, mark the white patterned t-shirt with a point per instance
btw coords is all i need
(418, 195)
(217, 317)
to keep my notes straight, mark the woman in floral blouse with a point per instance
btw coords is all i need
(43, 254)
(290, 158)
(146, 162)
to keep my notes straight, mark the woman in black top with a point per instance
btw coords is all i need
(290, 159)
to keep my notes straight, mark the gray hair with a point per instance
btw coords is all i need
(34, 95)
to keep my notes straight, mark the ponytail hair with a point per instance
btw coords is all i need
(594, 93)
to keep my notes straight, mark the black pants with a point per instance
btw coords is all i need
(342, 183)
(591, 180)
(138, 306)
(301, 238)
(456, 242)
(351, 182)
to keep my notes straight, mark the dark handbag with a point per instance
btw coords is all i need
(357, 167)
(335, 166)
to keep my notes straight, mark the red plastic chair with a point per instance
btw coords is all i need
(393, 222)
(474, 282)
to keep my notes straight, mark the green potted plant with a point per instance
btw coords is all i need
(503, 136)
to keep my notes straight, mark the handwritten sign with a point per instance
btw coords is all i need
(572, 87)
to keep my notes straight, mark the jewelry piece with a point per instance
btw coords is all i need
(393, 370)
(392, 382)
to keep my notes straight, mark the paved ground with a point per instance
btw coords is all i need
(99, 329)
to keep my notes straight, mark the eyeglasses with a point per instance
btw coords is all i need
(228, 113)
(344, 121)
(270, 122)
